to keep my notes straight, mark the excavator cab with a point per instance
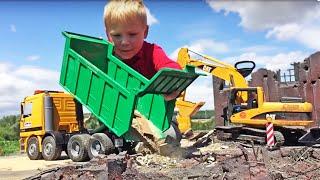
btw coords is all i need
(239, 104)
(240, 99)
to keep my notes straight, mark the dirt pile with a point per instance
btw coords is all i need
(217, 160)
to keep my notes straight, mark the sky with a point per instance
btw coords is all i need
(273, 34)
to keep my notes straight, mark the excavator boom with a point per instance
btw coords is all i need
(210, 65)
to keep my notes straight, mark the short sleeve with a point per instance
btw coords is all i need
(161, 60)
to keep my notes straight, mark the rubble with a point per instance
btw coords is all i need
(215, 160)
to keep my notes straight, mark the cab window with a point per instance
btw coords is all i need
(27, 110)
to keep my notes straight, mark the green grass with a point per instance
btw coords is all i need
(9, 147)
(202, 124)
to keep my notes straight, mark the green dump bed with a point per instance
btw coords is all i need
(111, 90)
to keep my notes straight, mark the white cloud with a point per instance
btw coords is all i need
(18, 82)
(257, 15)
(150, 18)
(13, 28)
(284, 32)
(36, 73)
(304, 34)
(273, 62)
(33, 58)
(204, 46)
(283, 20)
(310, 36)
(201, 90)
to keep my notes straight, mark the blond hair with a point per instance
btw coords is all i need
(123, 11)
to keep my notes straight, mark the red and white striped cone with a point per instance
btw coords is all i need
(270, 135)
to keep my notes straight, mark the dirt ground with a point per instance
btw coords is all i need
(230, 160)
(210, 159)
(20, 166)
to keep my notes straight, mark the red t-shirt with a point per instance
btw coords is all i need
(150, 59)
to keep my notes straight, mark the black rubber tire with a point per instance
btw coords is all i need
(100, 143)
(78, 147)
(33, 150)
(50, 150)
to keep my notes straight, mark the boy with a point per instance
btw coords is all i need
(126, 26)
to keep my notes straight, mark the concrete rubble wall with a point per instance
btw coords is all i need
(220, 100)
(306, 86)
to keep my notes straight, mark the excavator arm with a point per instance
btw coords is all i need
(213, 66)
(216, 68)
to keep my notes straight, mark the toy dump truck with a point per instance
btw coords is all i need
(112, 91)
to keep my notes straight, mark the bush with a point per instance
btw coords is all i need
(9, 128)
(9, 147)
(205, 114)
(9, 134)
(1, 151)
(202, 124)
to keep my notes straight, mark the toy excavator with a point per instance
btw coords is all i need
(246, 113)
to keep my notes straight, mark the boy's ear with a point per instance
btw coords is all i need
(108, 36)
(146, 32)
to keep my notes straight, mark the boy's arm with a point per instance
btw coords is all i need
(173, 95)
(161, 60)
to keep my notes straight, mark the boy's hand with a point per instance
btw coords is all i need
(173, 95)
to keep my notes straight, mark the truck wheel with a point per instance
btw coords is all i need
(100, 143)
(78, 147)
(50, 149)
(33, 150)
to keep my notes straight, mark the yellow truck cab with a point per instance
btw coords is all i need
(48, 120)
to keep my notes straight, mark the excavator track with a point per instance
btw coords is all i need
(242, 133)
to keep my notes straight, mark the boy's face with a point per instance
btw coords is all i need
(127, 38)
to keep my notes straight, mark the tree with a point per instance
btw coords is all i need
(9, 128)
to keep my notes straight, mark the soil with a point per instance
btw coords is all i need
(211, 159)
(231, 161)
(20, 166)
